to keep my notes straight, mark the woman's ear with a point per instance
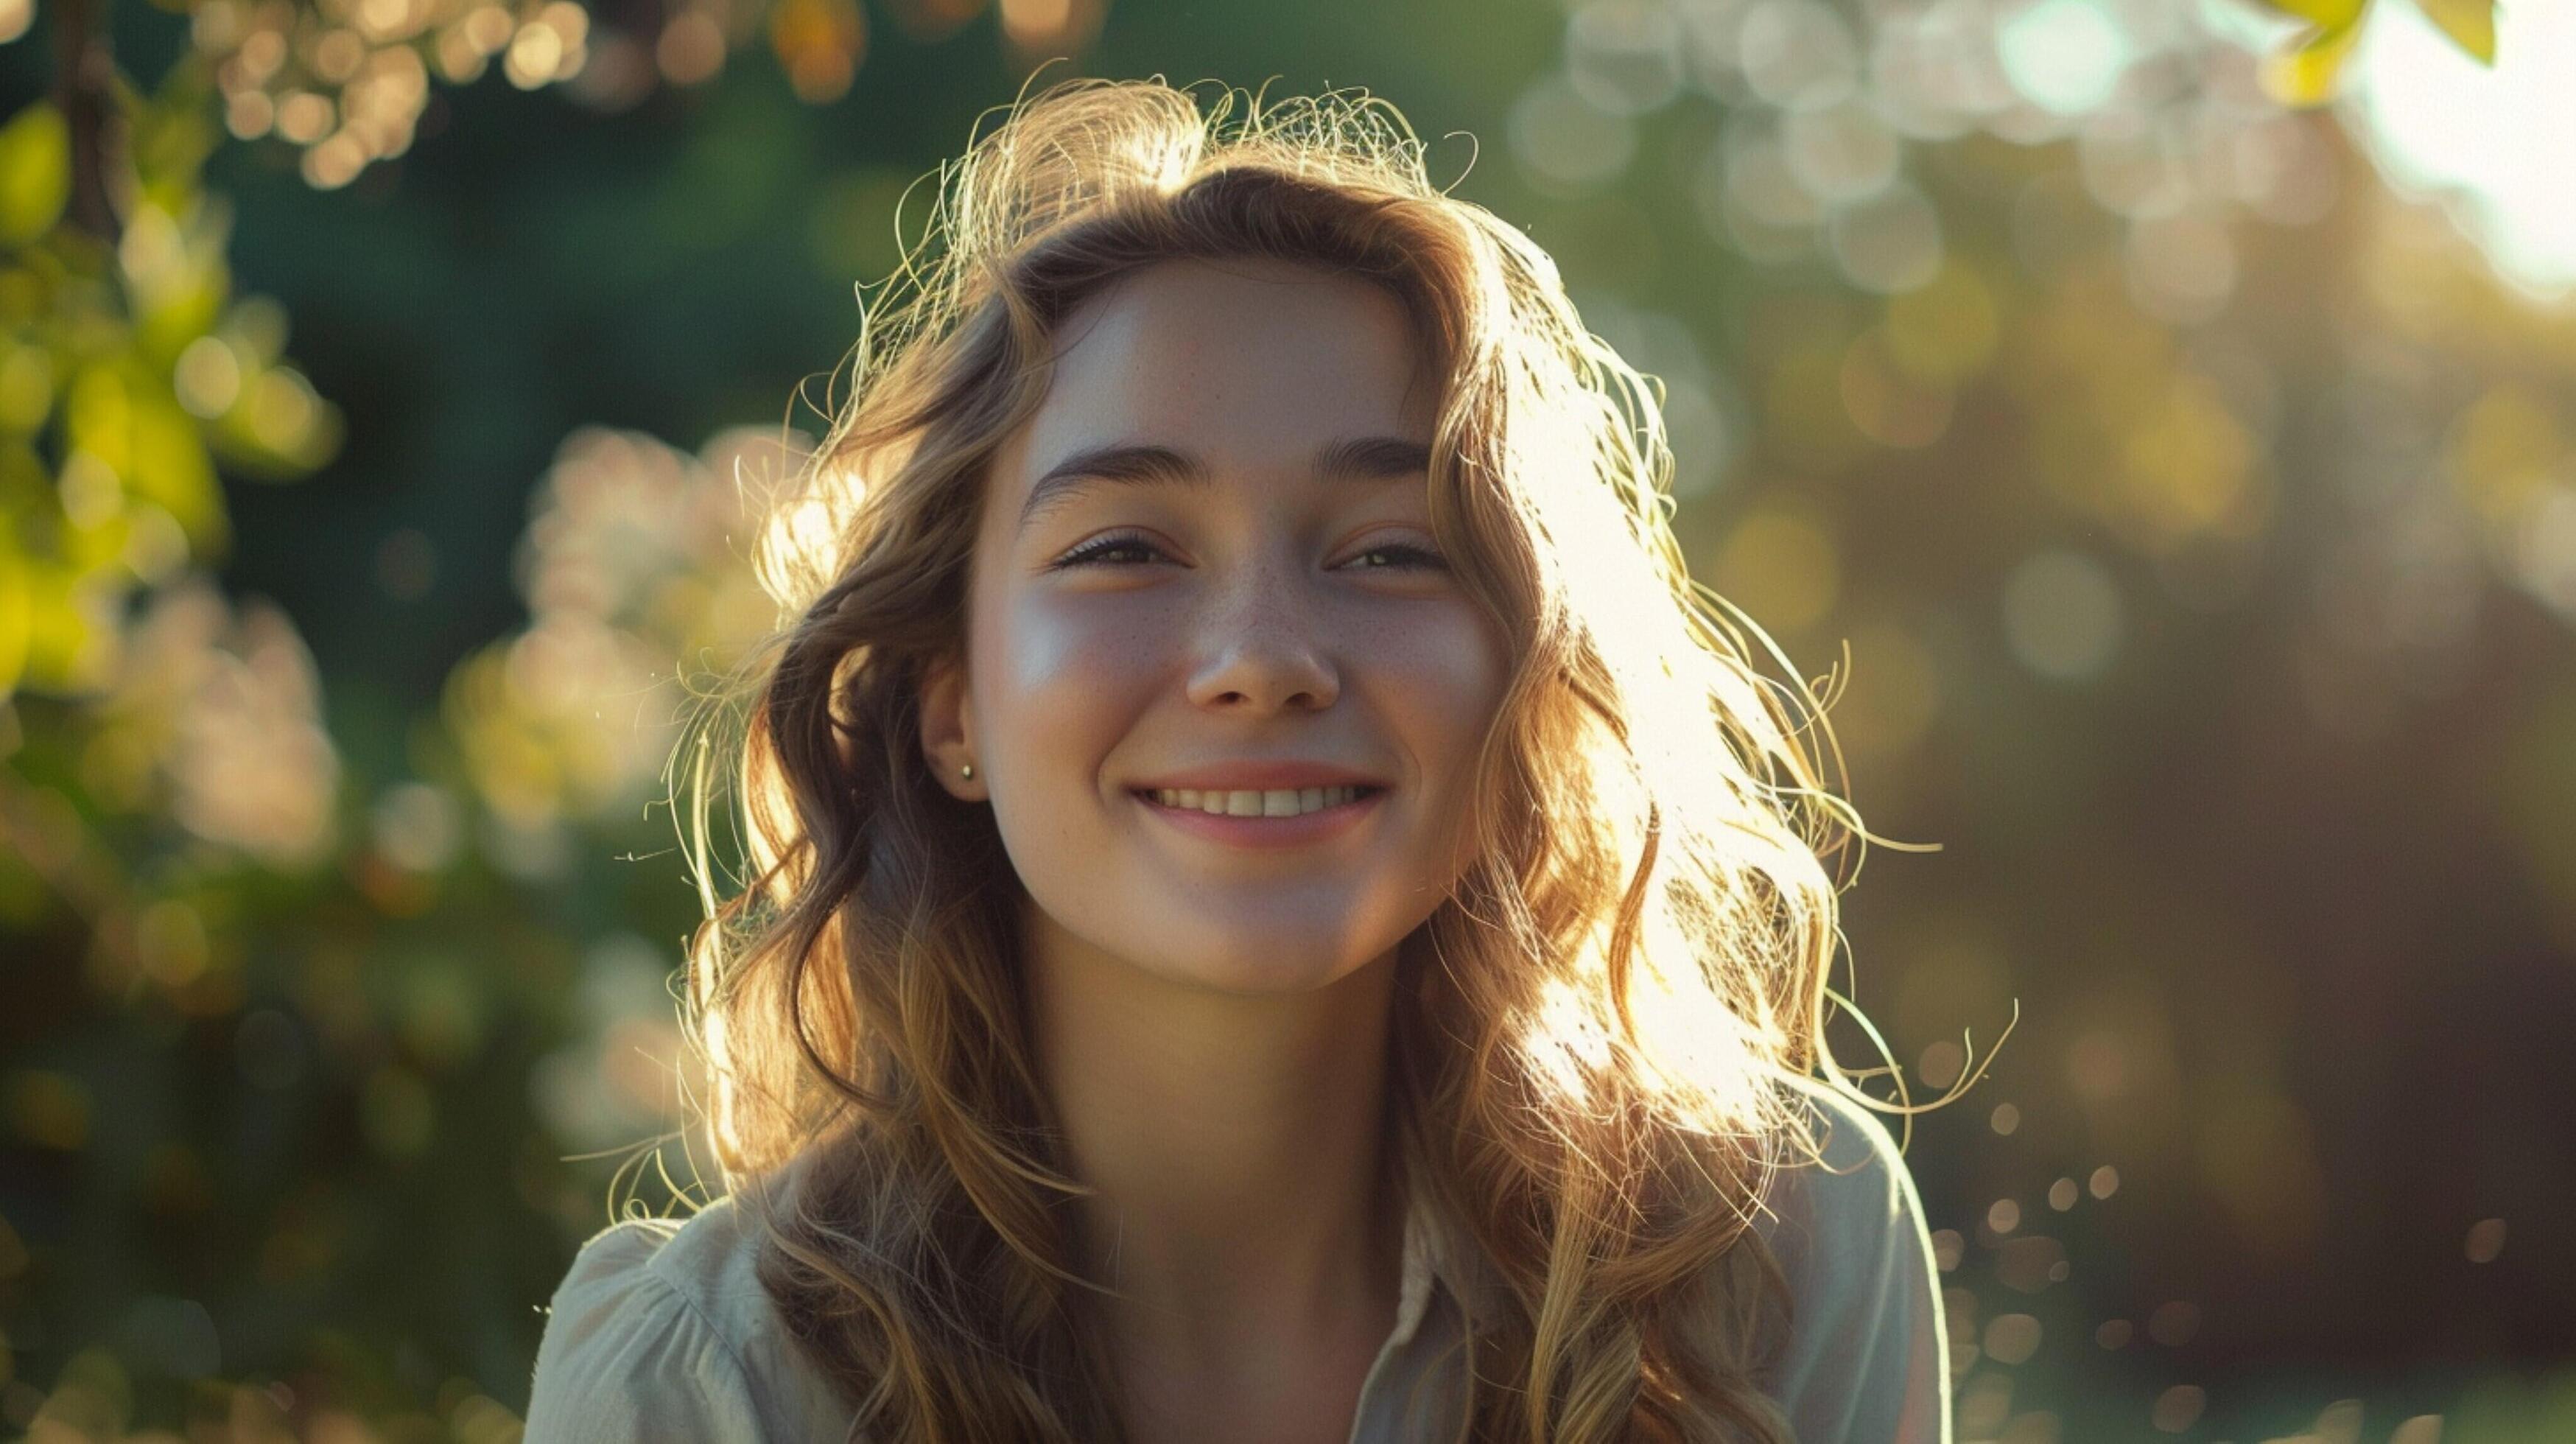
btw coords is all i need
(948, 731)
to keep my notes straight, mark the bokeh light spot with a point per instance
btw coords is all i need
(2178, 1408)
(2065, 55)
(2486, 1240)
(2173, 1323)
(2062, 614)
(2012, 1338)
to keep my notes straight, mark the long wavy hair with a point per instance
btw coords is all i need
(1599, 1017)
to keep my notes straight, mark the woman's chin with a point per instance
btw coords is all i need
(1261, 974)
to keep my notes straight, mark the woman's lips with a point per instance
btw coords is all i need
(1268, 832)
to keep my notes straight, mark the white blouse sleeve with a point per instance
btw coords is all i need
(627, 1358)
(1868, 1357)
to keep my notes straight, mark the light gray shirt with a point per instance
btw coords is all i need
(661, 1331)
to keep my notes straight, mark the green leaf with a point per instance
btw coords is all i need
(2469, 23)
(2305, 74)
(35, 172)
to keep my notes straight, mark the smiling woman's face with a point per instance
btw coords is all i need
(1205, 582)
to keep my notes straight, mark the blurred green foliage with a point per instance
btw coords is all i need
(2191, 523)
(130, 372)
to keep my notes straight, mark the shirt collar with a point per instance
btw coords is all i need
(1421, 1268)
(1439, 1260)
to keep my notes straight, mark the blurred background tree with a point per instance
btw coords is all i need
(2156, 416)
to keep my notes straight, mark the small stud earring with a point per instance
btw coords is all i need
(966, 771)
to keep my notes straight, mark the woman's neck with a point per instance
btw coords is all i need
(1239, 1146)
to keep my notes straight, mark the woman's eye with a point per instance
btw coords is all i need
(1093, 551)
(1416, 558)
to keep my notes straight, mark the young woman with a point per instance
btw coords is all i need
(1276, 912)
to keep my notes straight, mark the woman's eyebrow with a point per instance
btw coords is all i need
(1121, 463)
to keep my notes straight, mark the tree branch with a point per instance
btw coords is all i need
(84, 74)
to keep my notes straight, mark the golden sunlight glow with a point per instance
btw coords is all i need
(1568, 1047)
(2493, 138)
(723, 1117)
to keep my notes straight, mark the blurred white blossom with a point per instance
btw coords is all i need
(221, 706)
(637, 572)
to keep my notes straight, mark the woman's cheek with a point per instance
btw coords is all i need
(1063, 663)
(1454, 672)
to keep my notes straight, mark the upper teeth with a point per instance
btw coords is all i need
(1283, 802)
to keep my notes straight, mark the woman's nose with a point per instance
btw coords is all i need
(1261, 648)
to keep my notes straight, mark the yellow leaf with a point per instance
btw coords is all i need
(171, 467)
(35, 172)
(2324, 14)
(2469, 23)
(2304, 74)
(17, 619)
(69, 637)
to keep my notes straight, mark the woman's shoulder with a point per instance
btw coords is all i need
(1867, 1355)
(660, 1330)
(1856, 1186)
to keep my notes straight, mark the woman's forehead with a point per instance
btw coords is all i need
(1234, 359)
